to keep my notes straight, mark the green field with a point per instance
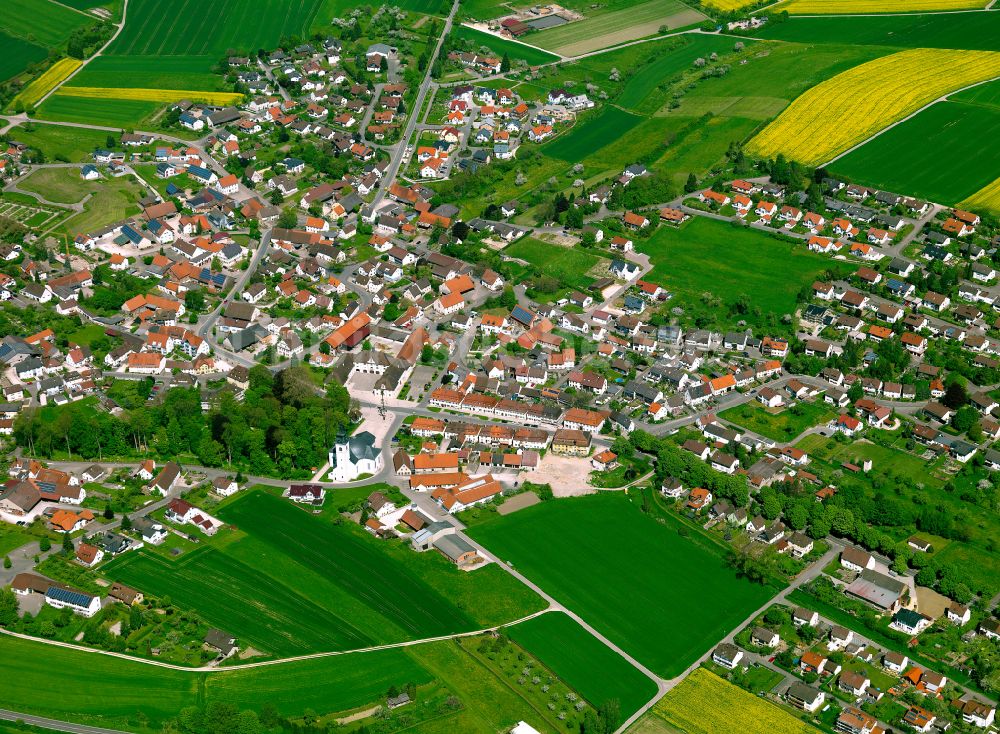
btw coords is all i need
(973, 30)
(118, 113)
(615, 22)
(11, 537)
(114, 200)
(663, 598)
(908, 156)
(883, 458)
(709, 256)
(500, 46)
(594, 133)
(72, 143)
(86, 334)
(638, 93)
(41, 22)
(783, 425)
(18, 54)
(192, 28)
(106, 691)
(151, 72)
(985, 94)
(589, 666)
(569, 265)
(355, 591)
(262, 611)
(62, 185)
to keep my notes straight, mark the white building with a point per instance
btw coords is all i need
(354, 456)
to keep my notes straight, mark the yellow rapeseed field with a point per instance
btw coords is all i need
(47, 81)
(706, 704)
(846, 110)
(837, 7)
(152, 95)
(728, 5)
(987, 199)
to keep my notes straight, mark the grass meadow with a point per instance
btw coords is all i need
(782, 425)
(638, 93)
(590, 667)
(709, 256)
(613, 565)
(908, 157)
(72, 143)
(569, 265)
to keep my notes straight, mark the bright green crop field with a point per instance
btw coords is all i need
(587, 665)
(109, 112)
(151, 72)
(41, 22)
(353, 591)
(107, 691)
(18, 54)
(661, 597)
(972, 30)
(908, 156)
(192, 28)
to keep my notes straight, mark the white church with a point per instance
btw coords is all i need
(354, 456)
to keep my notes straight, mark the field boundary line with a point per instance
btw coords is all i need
(101, 50)
(883, 131)
(75, 10)
(280, 661)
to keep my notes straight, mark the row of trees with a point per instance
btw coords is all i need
(283, 427)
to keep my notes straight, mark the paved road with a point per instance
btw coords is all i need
(55, 725)
(400, 148)
(279, 661)
(120, 28)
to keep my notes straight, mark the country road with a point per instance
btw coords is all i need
(56, 724)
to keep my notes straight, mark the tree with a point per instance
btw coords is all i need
(505, 64)
(691, 184)
(126, 522)
(288, 218)
(44, 544)
(109, 514)
(6, 562)
(67, 543)
(955, 395)
(8, 607)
